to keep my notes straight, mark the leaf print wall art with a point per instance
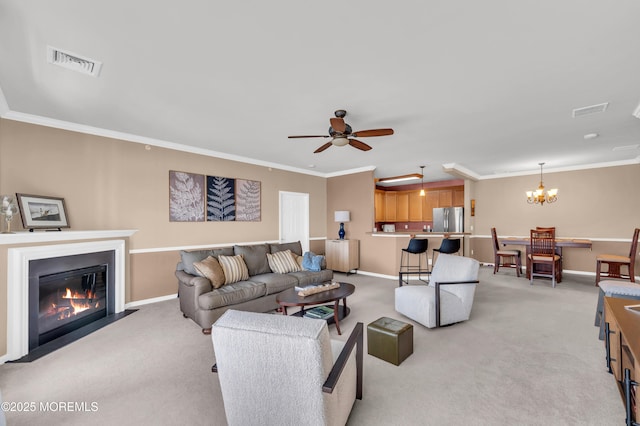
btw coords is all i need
(186, 197)
(220, 199)
(247, 200)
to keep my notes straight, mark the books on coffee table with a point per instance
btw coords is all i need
(319, 312)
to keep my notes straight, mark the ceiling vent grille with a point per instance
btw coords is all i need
(73, 62)
(593, 109)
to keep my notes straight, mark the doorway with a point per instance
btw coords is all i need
(294, 218)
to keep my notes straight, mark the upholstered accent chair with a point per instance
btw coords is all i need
(278, 369)
(449, 296)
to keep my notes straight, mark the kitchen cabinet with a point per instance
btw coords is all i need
(342, 255)
(379, 205)
(445, 198)
(458, 197)
(415, 206)
(402, 206)
(390, 201)
(409, 206)
(431, 201)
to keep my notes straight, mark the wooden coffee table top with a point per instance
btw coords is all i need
(290, 297)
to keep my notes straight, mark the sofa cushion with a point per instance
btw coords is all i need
(275, 283)
(282, 262)
(210, 268)
(234, 269)
(312, 261)
(189, 257)
(295, 247)
(231, 294)
(311, 277)
(255, 257)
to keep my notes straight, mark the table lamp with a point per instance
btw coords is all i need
(341, 216)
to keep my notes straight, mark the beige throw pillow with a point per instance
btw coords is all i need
(210, 268)
(234, 269)
(282, 262)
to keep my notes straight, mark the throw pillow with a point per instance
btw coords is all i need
(282, 262)
(210, 268)
(298, 260)
(312, 261)
(234, 269)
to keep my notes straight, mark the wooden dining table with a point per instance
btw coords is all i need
(560, 244)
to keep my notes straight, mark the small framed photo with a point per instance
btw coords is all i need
(40, 212)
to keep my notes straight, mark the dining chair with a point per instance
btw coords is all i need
(513, 256)
(447, 246)
(614, 262)
(543, 253)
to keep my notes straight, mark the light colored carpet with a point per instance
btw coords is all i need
(530, 355)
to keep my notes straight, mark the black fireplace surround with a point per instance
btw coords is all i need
(68, 293)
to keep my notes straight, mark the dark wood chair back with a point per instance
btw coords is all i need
(634, 246)
(543, 242)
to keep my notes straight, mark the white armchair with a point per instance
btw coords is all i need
(449, 296)
(281, 370)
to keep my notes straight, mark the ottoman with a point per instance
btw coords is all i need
(390, 340)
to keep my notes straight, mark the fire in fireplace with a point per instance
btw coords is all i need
(71, 299)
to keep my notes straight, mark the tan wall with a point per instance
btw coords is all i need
(598, 204)
(115, 184)
(608, 220)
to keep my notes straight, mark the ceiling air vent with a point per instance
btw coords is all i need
(73, 62)
(593, 109)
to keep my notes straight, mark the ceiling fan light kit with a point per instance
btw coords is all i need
(342, 134)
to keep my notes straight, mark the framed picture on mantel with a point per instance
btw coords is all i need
(41, 212)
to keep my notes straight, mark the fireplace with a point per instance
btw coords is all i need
(67, 293)
(93, 271)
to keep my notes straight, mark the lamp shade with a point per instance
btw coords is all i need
(342, 216)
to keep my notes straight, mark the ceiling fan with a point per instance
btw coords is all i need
(341, 134)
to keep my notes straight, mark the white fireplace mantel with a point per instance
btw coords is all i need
(18, 271)
(26, 237)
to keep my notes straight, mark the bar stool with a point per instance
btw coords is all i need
(448, 246)
(416, 246)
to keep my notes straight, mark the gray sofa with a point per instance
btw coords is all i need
(204, 304)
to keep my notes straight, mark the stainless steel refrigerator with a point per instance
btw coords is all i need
(448, 219)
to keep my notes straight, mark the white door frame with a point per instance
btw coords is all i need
(294, 218)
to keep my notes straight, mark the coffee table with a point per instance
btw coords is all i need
(290, 298)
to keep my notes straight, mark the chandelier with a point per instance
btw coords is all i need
(538, 196)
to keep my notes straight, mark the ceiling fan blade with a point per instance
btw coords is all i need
(308, 136)
(338, 124)
(360, 145)
(322, 148)
(373, 132)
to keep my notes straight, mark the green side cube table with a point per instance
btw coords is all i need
(390, 340)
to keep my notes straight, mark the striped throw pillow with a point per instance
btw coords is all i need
(282, 262)
(234, 269)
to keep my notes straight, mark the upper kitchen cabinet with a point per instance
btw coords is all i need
(379, 205)
(390, 200)
(445, 198)
(415, 206)
(458, 197)
(402, 206)
(431, 201)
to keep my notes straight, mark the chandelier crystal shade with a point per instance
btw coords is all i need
(539, 196)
